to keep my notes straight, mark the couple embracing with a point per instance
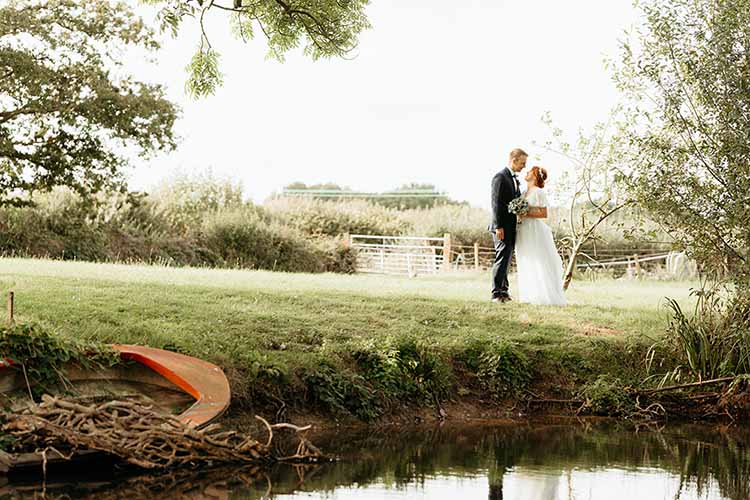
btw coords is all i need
(517, 225)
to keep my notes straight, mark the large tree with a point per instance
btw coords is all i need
(68, 114)
(687, 72)
(323, 28)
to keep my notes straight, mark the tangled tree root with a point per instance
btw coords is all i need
(139, 435)
(729, 400)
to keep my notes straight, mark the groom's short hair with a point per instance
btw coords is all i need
(517, 153)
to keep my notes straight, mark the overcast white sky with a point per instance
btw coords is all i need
(439, 92)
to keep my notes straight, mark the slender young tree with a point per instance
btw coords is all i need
(591, 186)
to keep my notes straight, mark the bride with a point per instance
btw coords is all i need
(539, 265)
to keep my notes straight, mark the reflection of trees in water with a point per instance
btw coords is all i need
(698, 455)
(496, 491)
(725, 460)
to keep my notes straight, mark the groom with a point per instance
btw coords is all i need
(505, 187)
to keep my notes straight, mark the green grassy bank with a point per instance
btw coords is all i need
(352, 345)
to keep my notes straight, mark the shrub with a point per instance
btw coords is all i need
(131, 227)
(467, 225)
(187, 223)
(607, 396)
(42, 356)
(23, 231)
(58, 227)
(500, 366)
(184, 200)
(404, 369)
(337, 255)
(341, 392)
(715, 341)
(328, 218)
(111, 227)
(242, 239)
(136, 232)
(425, 375)
(381, 368)
(130, 212)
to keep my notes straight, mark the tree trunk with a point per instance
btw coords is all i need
(571, 267)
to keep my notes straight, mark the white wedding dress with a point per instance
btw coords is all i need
(539, 265)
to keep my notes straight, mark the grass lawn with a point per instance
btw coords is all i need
(247, 319)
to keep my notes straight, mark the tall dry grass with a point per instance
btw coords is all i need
(202, 220)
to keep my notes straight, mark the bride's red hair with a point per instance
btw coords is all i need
(540, 176)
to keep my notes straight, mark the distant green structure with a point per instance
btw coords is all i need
(406, 197)
(331, 193)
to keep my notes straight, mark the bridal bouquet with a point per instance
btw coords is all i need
(518, 206)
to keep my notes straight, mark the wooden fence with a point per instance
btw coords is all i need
(416, 255)
(482, 257)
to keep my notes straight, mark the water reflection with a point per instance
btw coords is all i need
(540, 461)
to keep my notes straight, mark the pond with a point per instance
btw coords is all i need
(540, 460)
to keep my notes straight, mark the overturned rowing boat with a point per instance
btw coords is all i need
(195, 391)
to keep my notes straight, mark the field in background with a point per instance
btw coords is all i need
(205, 222)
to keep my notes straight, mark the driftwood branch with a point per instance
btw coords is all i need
(556, 401)
(692, 384)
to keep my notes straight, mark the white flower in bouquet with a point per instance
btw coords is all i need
(518, 206)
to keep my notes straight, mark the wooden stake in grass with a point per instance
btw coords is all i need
(11, 305)
(637, 266)
(447, 251)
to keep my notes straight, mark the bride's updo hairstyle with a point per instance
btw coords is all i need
(540, 176)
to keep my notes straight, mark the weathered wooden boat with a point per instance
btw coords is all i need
(195, 391)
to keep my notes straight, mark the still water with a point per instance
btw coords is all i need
(540, 461)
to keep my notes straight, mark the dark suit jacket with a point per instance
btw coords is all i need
(504, 190)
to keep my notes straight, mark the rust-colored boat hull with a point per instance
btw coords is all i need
(204, 382)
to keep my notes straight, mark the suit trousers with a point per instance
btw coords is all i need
(503, 255)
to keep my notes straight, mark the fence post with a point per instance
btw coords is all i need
(11, 307)
(447, 251)
(476, 256)
(637, 266)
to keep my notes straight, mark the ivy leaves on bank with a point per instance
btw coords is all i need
(42, 357)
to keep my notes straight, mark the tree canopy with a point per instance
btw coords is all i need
(323, 28)
(687, 75)
(68, 115)
(331, 186)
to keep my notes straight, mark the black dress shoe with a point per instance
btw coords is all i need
(501, 298)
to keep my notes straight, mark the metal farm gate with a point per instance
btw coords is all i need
(401, 255)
